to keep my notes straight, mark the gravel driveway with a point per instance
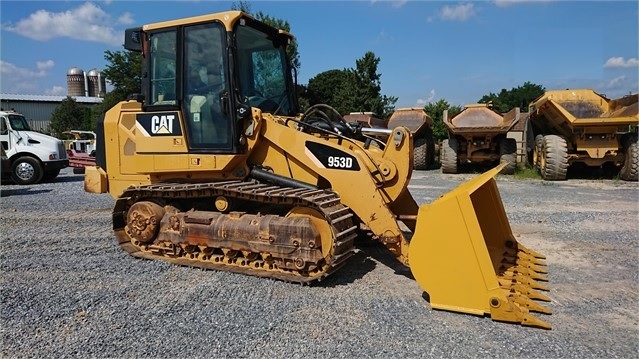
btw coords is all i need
(68, 290)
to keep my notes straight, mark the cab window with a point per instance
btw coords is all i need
(205, 84)
(163, 65)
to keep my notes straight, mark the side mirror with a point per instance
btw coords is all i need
(133, 39)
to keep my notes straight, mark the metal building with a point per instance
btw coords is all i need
(37, 109)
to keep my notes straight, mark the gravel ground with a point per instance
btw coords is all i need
(68, 290)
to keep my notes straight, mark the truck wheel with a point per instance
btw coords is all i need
(430, 150)
(536, 160)
(424, 151)
(449, 155)
(554, 158)
(630, 169)
(26, 170)
(420, 152)
(508, 155)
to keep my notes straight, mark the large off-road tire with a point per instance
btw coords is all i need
(26, 170)
(449, 155)
(554, 158)
(424, 152)
(508, 155)
(536, 158)
(630, 169)
(420, 152)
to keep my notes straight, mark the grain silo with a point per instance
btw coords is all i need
(75, 82)
(96, 83)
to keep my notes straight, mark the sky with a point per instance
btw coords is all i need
(458, 51)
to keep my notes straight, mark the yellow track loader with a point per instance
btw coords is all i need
(213, 166)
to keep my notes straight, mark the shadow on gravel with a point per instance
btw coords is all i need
(66, 179)
(364, 261)
(355, 268)
(61, 179)
(581, 171)
(380, 253)
(21, 191)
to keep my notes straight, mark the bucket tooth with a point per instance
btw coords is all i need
(526, 264)
(529, 304)
(523, 279)
(523, 271)
(527, 291)
(532, 321)
(536, 267)
(531, 252)
(516, 308)
(521, 255)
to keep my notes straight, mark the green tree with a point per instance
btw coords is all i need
(322, 88)
(70, 115)
(302, 97)
(436, 111)
(520, 96)
(124, 73)
(366, 86)
(352, 90)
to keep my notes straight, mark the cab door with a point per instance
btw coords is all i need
(4, 134)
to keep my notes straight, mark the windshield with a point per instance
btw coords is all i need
(18, 123)
(262, 71)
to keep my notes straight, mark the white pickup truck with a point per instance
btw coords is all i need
(33, 156)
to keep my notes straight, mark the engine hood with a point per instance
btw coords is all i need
(30, 136)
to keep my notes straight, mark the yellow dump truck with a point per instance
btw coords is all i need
(421, 126)
(478, 135)
(567, 127)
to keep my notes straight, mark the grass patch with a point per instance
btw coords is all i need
(524, 171)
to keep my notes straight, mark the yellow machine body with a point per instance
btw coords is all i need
(288, 197)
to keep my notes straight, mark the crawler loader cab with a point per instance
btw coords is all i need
(213, 166)
(211, 70)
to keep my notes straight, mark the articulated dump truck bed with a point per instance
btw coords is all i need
(481, 119)
(565, 110)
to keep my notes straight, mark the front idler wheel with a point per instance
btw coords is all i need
(143, 221)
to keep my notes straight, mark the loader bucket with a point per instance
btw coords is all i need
(465, 257)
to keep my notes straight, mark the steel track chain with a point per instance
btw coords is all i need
(337, 215)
